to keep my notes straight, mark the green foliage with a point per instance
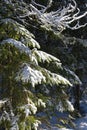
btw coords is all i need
(22, 71)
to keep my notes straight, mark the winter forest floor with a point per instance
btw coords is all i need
(81, 122)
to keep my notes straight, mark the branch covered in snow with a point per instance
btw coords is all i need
(18, 45)
(43, 57)
(57, 20)
(13, 29)
(34, 77)
(2, 102)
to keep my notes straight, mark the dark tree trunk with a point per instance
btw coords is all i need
(77, 97)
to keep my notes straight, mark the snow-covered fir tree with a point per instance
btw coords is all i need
(28, 82)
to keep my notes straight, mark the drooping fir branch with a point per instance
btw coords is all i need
(41, 76)
(11, 29)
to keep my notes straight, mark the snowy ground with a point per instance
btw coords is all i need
(81, 123)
